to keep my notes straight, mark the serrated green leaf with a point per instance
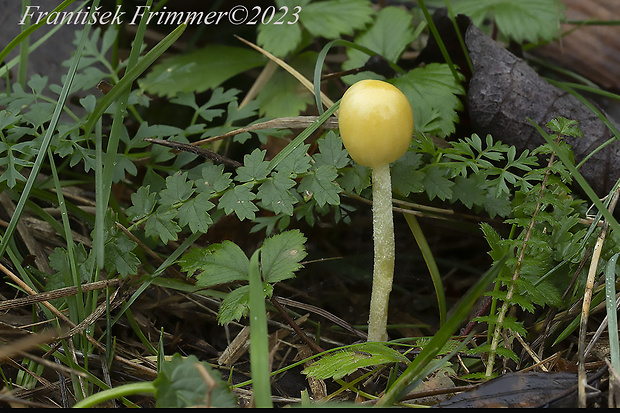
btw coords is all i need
(530, 20)
(178, 189)
(119, 256)
(355, 178)
(274, 194)
(320, 185)
(469, 190)
(239, 200)
(218, 264)
(214, 179)
(332, 18)
(331, 151)
(436, 184)
(236, 304)
(186, 73)
(161, 225)
(254, 168)
(340, 363)
(406, 177)
(297, 162)
(179, 384)
(432, 92)
(281, 255)
(195, 213)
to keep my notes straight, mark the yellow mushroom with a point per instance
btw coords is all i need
(376, 126)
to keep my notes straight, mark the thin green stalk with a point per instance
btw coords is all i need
(104, 184)
(429, 259)
(442, 46)
(22, 74)
(612, 312)
(75, 302)
(259, 339)
(130, 389)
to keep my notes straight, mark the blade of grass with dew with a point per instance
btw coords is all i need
(104, 183)
(415, 371)
(47, 139)
(612, 311)
(579, 178)
(259, 340)
(414, 226)
(76, 301)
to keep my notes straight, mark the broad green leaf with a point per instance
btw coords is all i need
(340, 363)
(529, 20)
(179, 384)
(281, 255)
(279, 39)
(195, 213)
(432, 92)
(178, 189)
(254, 168)
(239, 200)
(436, 184)
(200, 70)
(218, 264)
(332, 18)
(161, 225)
(389, 35)
(143, 203)
(331, 151)
(274, 194)
(320, 185)
(283, 95)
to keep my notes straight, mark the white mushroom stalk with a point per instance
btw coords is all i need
(376, 126)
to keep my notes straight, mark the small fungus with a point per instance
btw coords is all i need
(376, 126)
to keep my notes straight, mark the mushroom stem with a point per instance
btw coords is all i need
(383, 236)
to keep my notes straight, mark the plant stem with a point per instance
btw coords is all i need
(383, 236)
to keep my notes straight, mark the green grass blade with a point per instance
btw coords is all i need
(612, 312)
(259, 340)
(430, 264)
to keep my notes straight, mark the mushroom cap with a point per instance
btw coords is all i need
(376, 122)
